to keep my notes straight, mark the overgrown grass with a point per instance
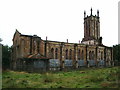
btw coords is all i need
(85, 78)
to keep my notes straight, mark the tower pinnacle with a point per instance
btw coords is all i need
(98, 13)
(91, 11)
(84, 14)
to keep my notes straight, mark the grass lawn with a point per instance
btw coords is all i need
(84, 78)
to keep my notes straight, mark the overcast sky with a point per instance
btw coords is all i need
(57, 19)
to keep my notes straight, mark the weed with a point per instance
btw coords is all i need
(47, 78)
(85, 78)
(105, 84)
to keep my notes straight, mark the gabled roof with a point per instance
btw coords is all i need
(16, 32)
(26, 35)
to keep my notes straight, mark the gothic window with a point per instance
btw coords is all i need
(89, 28)
(79, 54)
(66, 54)
(34, 47)
(31, 46)
(86, 28)
(92, 55)
(38, 46)
(70, 54)
(101, 55)
(97, 29)
(52, 53)
(82, 55)
(56, 53)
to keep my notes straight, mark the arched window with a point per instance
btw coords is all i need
(56, 53)
(66, 54)
(89, 29)
(52, 53)
(34, 47)
(86, 26)
(90, 55)
(79, 54)
(82, 55)
(38, 47)
(101, 55)
(70, 54)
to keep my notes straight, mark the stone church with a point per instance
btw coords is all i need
(32, 53)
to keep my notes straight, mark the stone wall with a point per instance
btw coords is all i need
(69, 54)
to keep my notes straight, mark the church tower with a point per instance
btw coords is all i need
(92, 29)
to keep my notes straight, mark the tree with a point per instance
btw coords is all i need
(6, 56)
(116, 53)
